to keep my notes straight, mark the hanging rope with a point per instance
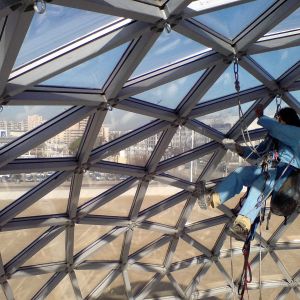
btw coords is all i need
(231, 268)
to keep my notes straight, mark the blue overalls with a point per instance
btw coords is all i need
(252, 176)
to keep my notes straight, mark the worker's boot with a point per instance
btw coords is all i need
(240, 228)
(207, 198)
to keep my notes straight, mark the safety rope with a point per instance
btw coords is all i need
(231, 268)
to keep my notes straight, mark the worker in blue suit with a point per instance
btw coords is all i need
(282, 146)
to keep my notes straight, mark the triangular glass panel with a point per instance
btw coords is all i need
(13, 186)
(157, 192)
(18, 120)
(119, 206)
(13, 242)
(208, 236)
(200, 215)
(172, 93)
(137, 154)
(292, 231)
(110, 251)
(84, 235)
(225, 84)
(91, 74)
(156, 257)
(169, 216)
(115, 291)
(184, 140)
(224, 120)
(185, 276)
(212, 279)
(165, 51)
(66, 143)
(63, 291)
(191, 170)
(57, 27)
(184, 251)
(89, 279)
(54, 251)
(94, 184)
(117, 123)
(138, 279)
(289, 23)
(296, 94)
(55, 202)
(279, 61)
(142, 237)
(163, 289)
(231, 21)
(26, 287)
(270, 294)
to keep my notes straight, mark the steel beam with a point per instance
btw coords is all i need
(196, 245)
(12, 36)
(127, 285)
(291, 101)
(75, 285)
(163, 229)
(39, 270)
(104, 220)
(175, 181)
(290, 76)
(177, 287)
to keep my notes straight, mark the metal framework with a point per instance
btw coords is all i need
(141, 23)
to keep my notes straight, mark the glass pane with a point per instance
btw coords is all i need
(277, 62)
(231, 21)
(66, 143)
(58, 26)
(208, 236)
(213, 278)
(119, 206)
(56, 202)
(270, 294)
(170, 94)
(26, 287)
(169, 47)
(157, 192)
(198, 214)
(290, 23)
(290, 259)
(163, 289)
(191, 170)
(185, 276)
(156, 257)
(63, 291)
(296, 95)
(115, 291)
(94, 183)
(225, 84)
(110, 251)
(119, 122)
(89, 279)
(54, 251)
(169, 216)
(292, 232)
(13, 186)
(184, 251)
(137, 154)
(184, 140)
(84, 235)
(138, 279)
(224, 120)
(13, 242)
(90, 74)
(17, 120)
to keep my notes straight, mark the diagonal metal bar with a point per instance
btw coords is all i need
(7, 290)
(170, 73)
(99, 289)
(175, 284)
(163, 229)
(104, 220)
(175, 7)
(203, 35)
(97, 244)
(290, 76)
(187, 157)
(33, 248)
(105, 197)
(9, 212)
(269, 19)
(88, 47)
(225, 275)
(200, 88)
(196, 244)
(281, 266)
(283, 293)
(132, 58)
(15, 29)
(127, 285)
(49, 286)
(125, 8)
(175, 181)
(127, 140)
(291, 101)
(42, 133)
(75, 285)
(39, 269)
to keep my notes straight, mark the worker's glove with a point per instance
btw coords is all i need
(229, 144)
